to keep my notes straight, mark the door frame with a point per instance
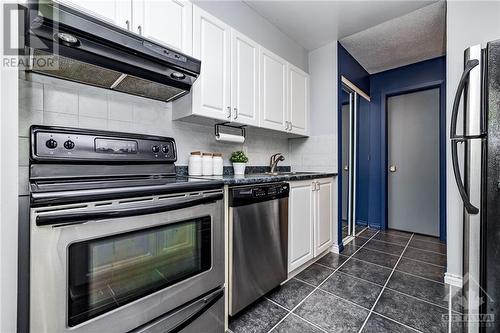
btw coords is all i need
(441, 85)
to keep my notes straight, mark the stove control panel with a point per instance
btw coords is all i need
(57, 143)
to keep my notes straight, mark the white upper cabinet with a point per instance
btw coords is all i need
(273, 96)
(298, 100)
(324, 215)
(300, 224)
(168, 22)
(211, 44)
(118, 12)
(244, 79)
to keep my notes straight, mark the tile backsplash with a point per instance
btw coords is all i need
(50, 101)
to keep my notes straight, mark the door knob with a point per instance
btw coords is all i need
(346, 168)
(392, 168)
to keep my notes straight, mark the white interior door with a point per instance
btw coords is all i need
(413, 162)
(273, 90)
(168, 22)
(244, 79)
(211, 41)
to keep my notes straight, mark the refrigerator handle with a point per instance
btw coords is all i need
(456, 103)
(471, 209)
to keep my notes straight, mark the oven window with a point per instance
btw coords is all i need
(109, 272)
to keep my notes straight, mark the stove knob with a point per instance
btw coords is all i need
(51, 143)
(165, 149)
(155, 149)
(69, 144)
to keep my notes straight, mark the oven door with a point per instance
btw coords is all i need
(116, 265)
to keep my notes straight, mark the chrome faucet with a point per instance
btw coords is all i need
(274, 161)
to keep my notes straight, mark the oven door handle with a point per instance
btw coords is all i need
(66, 218)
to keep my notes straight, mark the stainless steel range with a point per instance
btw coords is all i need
(118, 242)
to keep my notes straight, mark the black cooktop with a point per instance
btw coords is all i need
(110, 182)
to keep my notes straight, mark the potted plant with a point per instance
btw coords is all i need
(239, 160)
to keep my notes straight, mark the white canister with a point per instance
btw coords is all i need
(218, 166)
(207, 164)
(195, 164)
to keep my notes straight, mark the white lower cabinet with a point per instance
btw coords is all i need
(310, 218)
(300, 224)
(324, 215)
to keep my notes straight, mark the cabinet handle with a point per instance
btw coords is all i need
(287, 125)
(319, 186)
(127, 23)
(228, 115)
(139, 28)
(235, 113)
(291, 125)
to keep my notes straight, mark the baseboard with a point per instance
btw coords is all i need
(336, 249)
(453, 280)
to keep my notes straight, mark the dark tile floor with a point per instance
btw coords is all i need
(388, 281)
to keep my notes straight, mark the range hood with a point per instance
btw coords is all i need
(65, 43)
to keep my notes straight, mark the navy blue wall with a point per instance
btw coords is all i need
(354, 72)
(419, 76)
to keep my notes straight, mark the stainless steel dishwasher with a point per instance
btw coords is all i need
(258, 242)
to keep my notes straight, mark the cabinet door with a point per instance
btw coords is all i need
(324, 215)
(211, 91)
(168, 22)
(298, 100)
(273, 82)
(244, 79)
(300, 225)
(117, 12)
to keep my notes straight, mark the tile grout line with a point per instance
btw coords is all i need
(289, 312)
(316, 288)
(379, 285)
(397, 322)
(395, 255)
(425, 250)
(383, 288)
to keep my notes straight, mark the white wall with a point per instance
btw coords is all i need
(468, 23)
(8, 191)
(246, 20)
(319, 151)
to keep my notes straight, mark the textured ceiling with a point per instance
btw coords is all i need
(414, 37)
(315, 23)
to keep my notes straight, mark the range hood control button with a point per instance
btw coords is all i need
(51, 143)
(67, 39)
(165, 149)
(155, 149)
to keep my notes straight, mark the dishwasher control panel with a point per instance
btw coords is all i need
(257, 193)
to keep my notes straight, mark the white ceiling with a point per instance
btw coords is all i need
(315, 23)
(414, 37)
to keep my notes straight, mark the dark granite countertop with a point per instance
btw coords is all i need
(259, 178)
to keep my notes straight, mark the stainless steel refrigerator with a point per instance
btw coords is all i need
(478, 181)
